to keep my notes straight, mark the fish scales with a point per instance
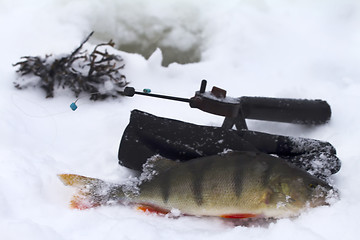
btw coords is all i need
(235, 184)
(204, 184)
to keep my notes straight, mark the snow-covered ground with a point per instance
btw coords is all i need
(299, 49)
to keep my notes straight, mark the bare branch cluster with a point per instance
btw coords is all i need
(97, 73)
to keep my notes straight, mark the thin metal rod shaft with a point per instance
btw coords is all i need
(164, 97)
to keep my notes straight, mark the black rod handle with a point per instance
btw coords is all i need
(300, 111)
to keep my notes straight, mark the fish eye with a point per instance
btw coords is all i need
(313, 185)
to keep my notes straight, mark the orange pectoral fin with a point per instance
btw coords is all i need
(239, 215)
(152, 209)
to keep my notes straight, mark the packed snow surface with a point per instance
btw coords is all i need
(297, 49)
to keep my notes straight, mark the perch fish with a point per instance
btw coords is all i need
(232, 185)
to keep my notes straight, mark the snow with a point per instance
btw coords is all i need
(298, 49)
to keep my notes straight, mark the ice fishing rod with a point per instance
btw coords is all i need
(236, 110)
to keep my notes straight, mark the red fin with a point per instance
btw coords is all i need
(81, 202)
(152, 209)
(239, 215)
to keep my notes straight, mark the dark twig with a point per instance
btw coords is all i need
(97, 73)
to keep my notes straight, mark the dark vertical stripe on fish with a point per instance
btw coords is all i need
(197, 188)
(238, 179)
(165, 186)
(197, 176)
(265, 178)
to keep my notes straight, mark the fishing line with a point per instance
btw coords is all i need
(36, 128)
(38, 105)
(73, 105)
(16, 103)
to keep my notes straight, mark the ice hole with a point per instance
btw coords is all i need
(141, 28)
(170, 54)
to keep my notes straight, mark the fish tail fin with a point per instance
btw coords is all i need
(92, 192)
